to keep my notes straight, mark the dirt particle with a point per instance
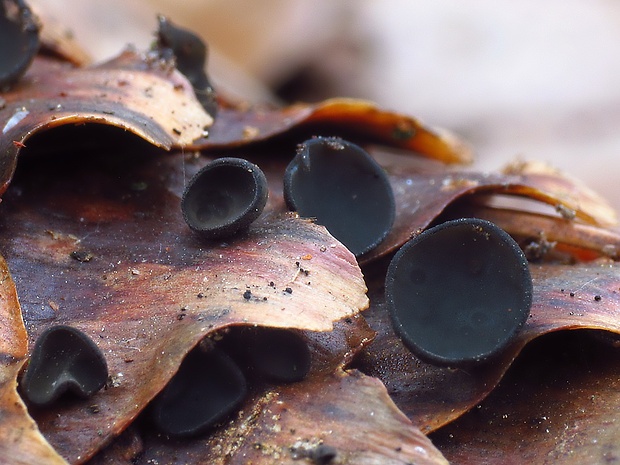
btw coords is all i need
(247, 295)
(597, 298)
(288, 290)
(81, 256)
(250, 132)
(572, 294)
(565, 212)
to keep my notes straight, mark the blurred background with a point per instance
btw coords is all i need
(528, 79)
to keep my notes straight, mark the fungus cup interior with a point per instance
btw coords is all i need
(225, 196)
(278, 355)
(344, 188)
(63, 359)
(459, 292)
(19, 29)
(207, 388)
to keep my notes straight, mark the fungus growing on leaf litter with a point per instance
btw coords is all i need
(225, 196)
(190, 53)
(207, 388)
(63, 359)
(277, 355)
(19, 40)
(459, 292)
(344, 188)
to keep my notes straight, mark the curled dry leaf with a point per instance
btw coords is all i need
(558, 404)
(101, 245)
(330, 412)
(566, 297)
(349, 413)
(423, 190)
(545, 236)
(20, 439)
(133, 92)
(346, 118)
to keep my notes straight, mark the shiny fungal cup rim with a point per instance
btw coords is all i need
(241, 220)
(368, 161)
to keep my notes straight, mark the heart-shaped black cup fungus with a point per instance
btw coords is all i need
(64, 359)
(19, 40)
(224, 197)
(459, 292)
(206, 389)
(344, 188)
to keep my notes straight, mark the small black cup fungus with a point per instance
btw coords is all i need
(64, 359)
(344, 188)
(19, 40)
(225, 196)
(190, 53)
(279, 355)
(207, 388)
(459, 292)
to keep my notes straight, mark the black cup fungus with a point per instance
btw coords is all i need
(190, 53)
(64, 359)
(225, 196)
(344, 188)
(459, 292)
(19, 40)
(208, 387)
(279, 355)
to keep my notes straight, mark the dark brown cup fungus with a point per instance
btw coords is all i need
(64, 359)
(459, 292)
(225, 196)
(277, 355)
(207, 388)
(19, 40)
(190, 53)
(340, 185)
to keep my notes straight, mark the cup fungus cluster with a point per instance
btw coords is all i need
(212, 381)
(457, 293)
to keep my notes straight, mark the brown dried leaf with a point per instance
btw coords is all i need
(144, 287)
(551, 235)
(357, 119)
(130, 92)
(558, 404)
(422, 191)
(347, 411)
(56, 39)
(20, 439)
(566, 297)
(284, 424)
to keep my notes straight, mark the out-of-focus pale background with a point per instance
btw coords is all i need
(538, 80)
